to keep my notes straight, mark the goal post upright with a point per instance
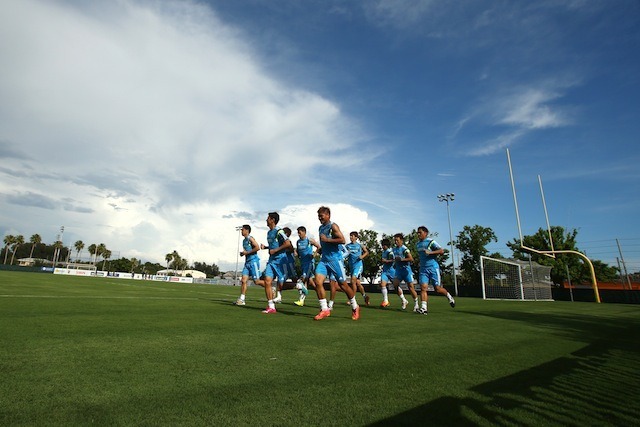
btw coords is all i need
(552, 253)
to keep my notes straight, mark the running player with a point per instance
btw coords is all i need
(428, 250)
(388, 271)
(357, 252)
(251, 268)
(278, 242)
(304, 250)
(331, 262)
(403, 259)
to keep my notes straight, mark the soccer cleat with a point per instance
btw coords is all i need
(299, 303)
(322, 315)
(366, 300)
(277, 300)
(355, 313)
(404, 304)
(452, 303)
(304, 290)
(385, 304)
(422, 311)
(269, 310)
(416, 309)
(239, 302)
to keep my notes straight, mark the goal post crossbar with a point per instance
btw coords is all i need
(594, 282)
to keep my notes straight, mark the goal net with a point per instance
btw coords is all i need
(511, 279)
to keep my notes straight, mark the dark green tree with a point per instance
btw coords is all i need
(562, 240)
(472, 242)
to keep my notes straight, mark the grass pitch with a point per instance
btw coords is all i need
(78, 351)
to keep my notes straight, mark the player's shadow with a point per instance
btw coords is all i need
(596, 385)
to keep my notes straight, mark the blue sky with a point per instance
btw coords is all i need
(159, 125)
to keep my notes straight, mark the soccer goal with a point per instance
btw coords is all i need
(511, 279)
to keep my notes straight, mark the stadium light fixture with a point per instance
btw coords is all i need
(235, 276)
(450, 197)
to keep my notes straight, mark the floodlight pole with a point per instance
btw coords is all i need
(235, 276)
(449, 197)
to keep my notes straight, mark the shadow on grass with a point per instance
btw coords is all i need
(596, 385)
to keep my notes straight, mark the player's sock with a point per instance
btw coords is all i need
(302, 297)
(271, 304)
(323, 304)
(385, 294)
(424, 305)
(330, 305)
(353, 303)
(242, 297)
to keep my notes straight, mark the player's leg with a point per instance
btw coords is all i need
(243, 290)
(383, 289)
(403, 300)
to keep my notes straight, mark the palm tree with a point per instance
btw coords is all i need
(134, 263)
(8, 241)
(56, 253)
(99, 251)
(106, 254)
(92, 250)
(19, 240)
(35, 240)
(167, 257)
(79, 245)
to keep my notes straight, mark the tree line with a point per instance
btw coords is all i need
(471, 243)
(17, 248)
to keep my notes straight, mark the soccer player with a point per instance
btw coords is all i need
(251, 268)
(388, 271)
(331, 262)
(428, 250)
(304, 250)
(288, 268)
(402, 264)
(277, 244)
(357, 252)
(333, 283)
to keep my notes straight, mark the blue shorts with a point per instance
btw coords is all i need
(252, 269)
(387, 276)
(356, 269)
(307, 268)
(273, 270)
(333, 269)
(288, 272)
(429, 275)
(404, 275)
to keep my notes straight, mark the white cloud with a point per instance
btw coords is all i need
(143, 124)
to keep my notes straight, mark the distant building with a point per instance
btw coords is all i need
(30, 262)
(183, 273)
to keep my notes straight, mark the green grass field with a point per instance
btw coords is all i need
(79, 351)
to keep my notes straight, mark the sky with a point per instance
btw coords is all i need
(159, 125)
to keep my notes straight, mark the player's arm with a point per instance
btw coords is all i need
(338, 237)
(315, 244)
(438, 250)
(286, 245)
(255, 247)
(407, 256)
(365, 252)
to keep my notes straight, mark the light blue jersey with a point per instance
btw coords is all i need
(275, 266)
(425, 259)
(332, 260)
(403, 268)
(356, 266)
(305, 253)
(246, 245)
(429, 267)
(388, 270)
(330, 251)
